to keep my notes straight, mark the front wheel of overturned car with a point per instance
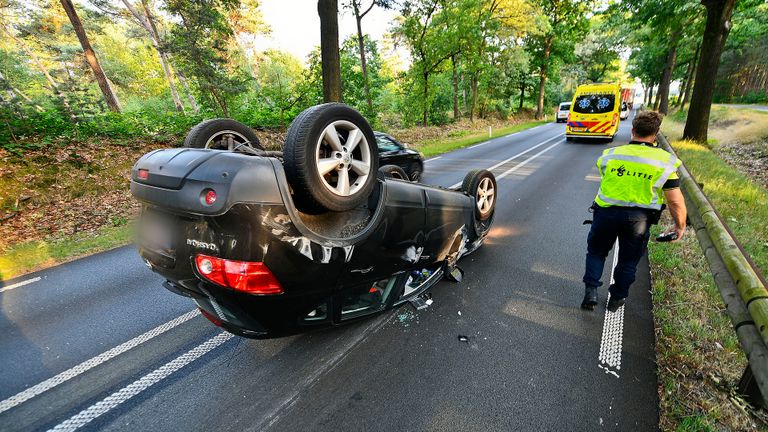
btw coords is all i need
(330, 158)
(221, 134)
(481, 185)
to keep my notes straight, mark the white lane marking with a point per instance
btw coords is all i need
(50, 383)
(112, 401)
(609, 358)
(432, 159)
(20, 284)
(518, 155)
(523, 163)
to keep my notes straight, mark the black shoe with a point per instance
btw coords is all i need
(590, 298)
(614, 303)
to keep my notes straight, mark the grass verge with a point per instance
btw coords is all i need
(35, 255)
(698, 355)
(31, 255)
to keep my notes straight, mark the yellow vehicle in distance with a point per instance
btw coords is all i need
(594, 112)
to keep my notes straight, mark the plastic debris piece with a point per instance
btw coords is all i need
(463, 338)
(459, 313)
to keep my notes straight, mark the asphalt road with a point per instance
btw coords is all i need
(98, 344)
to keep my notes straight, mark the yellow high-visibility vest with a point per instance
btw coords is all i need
(633, 176)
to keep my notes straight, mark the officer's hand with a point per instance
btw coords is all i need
(679, 231)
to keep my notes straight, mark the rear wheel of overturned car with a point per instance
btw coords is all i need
(394, 171)
(222, 134)
(330, 158)
(481, 185)
(416, 169)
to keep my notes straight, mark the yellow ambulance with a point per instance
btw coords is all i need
(594, 112)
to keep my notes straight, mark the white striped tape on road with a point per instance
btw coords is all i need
(68, 374)
(105, 405)
(613, 331)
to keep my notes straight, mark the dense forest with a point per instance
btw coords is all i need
(153, 68)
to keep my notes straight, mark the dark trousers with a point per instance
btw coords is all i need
(631, 226)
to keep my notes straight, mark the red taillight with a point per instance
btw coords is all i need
(210, 197)
(217, 322)
(249, 277)
(143, 174)
(615, 117)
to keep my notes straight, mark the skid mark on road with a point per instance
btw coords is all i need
(110, 402)
(273, 416)
(611, 342)
(92, 363)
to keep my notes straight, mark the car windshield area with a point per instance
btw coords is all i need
(594, 103)
(386, 145)
(565, 107)
(624, 106)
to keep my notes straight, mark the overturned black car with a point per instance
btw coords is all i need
(275, 243)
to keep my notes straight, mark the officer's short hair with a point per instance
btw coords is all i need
(647, 123)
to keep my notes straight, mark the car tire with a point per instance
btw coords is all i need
(569, 139)
(315, 140)
(394, 171)
(481, 185)
(213, 134)
(415, 171)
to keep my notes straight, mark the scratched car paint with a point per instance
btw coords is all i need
(331, 268)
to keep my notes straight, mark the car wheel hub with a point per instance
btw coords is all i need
(485, 196)
(343, 158)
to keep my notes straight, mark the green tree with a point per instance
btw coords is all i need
(564, 23)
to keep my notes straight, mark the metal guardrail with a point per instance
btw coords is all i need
(743, 289)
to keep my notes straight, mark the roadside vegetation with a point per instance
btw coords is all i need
(699, 357)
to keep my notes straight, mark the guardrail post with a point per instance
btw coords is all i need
(749, 388)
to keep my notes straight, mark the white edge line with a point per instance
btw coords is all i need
(115, 399)
(19, 284)
(516, 156)
(70, 373)
(432, 159)
(606, 368)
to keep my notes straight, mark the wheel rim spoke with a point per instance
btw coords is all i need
(480, 203)
(360, 167)
(324, 166)
(353, 139)
(342, 187)
(332, 137)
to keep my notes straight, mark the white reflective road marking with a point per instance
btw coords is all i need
(50, 383)
(613, 331)
(518, 155)
(19, 284)
(112, 401)
(434, 158)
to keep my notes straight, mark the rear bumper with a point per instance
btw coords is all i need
(588, 136)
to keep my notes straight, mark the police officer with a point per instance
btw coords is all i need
(637, 181)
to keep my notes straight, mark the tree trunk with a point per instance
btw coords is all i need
(715, 34)
(456, 113)
(426, 93)
(148, 23)
(361, 44)
(473, 87)
(666, 76)
(689, 81)
(329, 49)
(90, 56)
(190, 96)
(522, 95)
(650, 96)
(543, 78)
